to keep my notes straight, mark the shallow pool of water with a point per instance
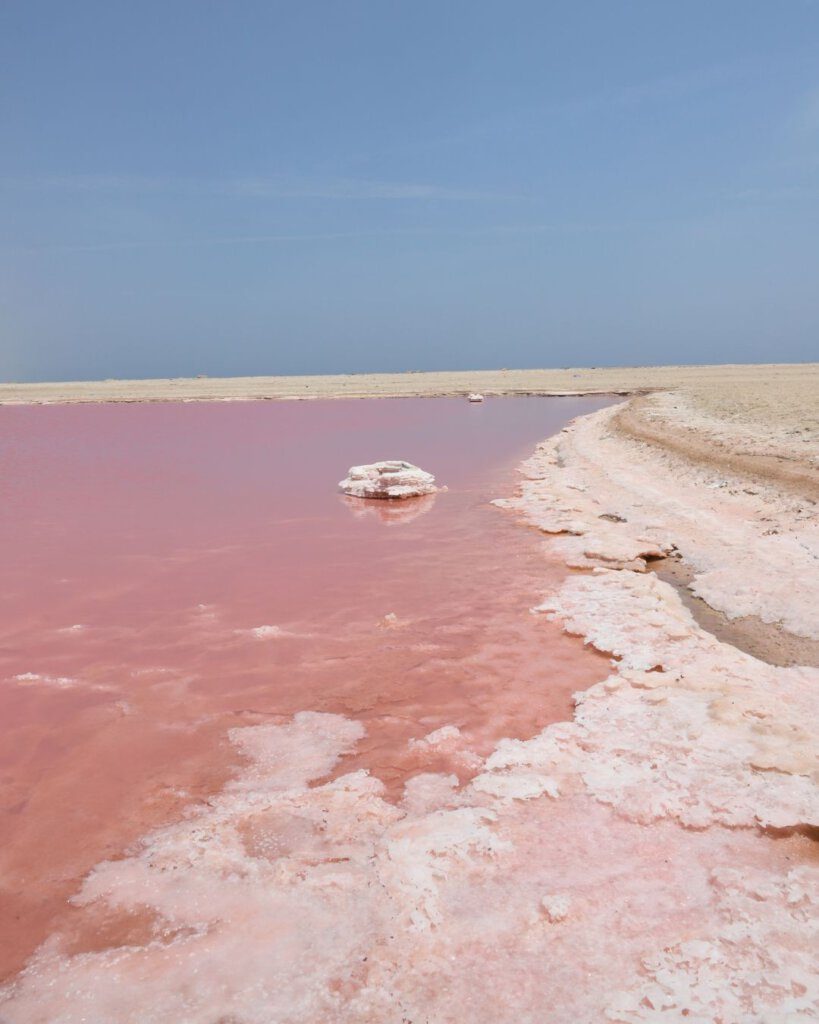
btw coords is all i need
(174, 570)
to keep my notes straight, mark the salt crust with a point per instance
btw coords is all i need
(278, 901)
(688, 727)
(61, 682)
(759, 969)
(267, 632)
(615, 502)
(537, 888)
(391, 479)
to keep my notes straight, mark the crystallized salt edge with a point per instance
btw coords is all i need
(688, 726)
(738, 751)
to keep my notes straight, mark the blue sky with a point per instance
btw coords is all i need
(292, 187)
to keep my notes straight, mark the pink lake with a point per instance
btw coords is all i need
(174, 570)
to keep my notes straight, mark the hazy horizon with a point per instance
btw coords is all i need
(443, 369)
(287, 188)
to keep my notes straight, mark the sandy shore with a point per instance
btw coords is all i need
(716, 491)
(785, 382)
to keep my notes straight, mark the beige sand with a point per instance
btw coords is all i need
(742, 391)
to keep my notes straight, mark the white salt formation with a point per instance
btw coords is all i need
(475, 397)
(392, 479)
(282, 901)
(618, 503)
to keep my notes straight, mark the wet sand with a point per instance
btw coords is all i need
(764, 640)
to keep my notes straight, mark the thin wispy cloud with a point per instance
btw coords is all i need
(497, 231)
(522, 121)
(775, 193)
(542, 116)
(186, 243)
(254, 187)
(352, 189)
(663, 89)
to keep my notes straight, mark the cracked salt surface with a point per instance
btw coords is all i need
(281, 901)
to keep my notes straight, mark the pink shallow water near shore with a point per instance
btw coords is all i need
(173, 571)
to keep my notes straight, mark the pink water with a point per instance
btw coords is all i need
(145, 548)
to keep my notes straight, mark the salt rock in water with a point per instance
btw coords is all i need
(392, 479)
(475, 397)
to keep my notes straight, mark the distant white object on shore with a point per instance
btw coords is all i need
(391, 479)
(475, 397)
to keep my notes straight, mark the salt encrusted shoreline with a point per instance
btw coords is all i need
(614, 505)
(618, 503)
(688, 727)
(647, 861)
